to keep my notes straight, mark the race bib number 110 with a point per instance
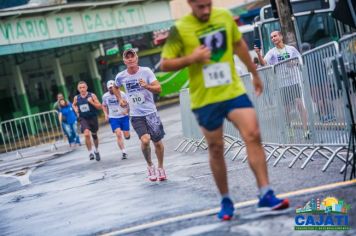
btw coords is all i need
(137, 98)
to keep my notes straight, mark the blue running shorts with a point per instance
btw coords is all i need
(212, 116)
(122, 123)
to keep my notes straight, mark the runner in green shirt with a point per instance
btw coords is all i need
(205, 41)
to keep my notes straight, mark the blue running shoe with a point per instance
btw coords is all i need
(227, 209)
(269, 202)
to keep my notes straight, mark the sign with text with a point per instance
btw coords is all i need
(51, 26)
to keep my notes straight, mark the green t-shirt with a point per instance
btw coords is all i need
(208, 84)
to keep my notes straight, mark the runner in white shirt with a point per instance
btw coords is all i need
(117, 116)
(140, 83)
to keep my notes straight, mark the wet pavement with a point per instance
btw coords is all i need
(66, 194)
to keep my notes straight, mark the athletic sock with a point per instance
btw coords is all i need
(264, 190)
(226, 195)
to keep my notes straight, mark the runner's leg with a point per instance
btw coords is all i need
(159, 149)
(146, 148)
(215, 143)
(120, 140)
(95, 140)
(126, 134)
(245, 120)
(87, 139)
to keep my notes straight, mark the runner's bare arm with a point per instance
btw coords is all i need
(94, 101)
(241, 49)
(259, 55)
(127, 110)
(105, 110)
(127, 106)
(200, 55)
(154, 87)
(74, 105)
(117, 93)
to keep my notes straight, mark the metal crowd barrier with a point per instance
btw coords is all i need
(348, 53)
(302, 114)
(328, 123)
(32, 130)
(192, 136)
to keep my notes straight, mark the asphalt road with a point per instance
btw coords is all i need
(63, 193)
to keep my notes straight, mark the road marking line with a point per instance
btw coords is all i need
(237, 205)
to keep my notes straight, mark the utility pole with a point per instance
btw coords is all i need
(285, 18)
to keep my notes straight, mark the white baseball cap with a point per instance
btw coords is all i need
(127, 51)
(110, 84)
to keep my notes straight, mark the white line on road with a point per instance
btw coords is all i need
(216, 210)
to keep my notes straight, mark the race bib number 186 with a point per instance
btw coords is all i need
(217, 74)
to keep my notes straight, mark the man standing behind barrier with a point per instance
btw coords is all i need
(205, 41)
(117, 116)
(140, 83)
(290, 90)
(86, 105)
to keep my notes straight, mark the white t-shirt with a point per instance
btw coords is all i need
(140, 99)
(276, 55)
(291, 74)
(111, 102)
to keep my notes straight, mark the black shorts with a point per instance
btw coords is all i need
(290, 93)
(150, 124)
(89, 123)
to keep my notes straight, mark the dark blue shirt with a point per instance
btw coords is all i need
(86, 110)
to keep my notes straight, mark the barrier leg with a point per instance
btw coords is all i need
(181, 142)
(272, 153)
(310, 157)
(237, 153)
(231, 146)
(18, 154)
(244, 159)
(266, 146)
(344, 167)
(191, 145)
(188, 142)
(298, 156)
(281, 155)
(331, 159)
(54, 147)
(200, 145)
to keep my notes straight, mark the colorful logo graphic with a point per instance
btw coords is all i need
(214, 37)
(327, 214)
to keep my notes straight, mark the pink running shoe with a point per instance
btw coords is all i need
(161, 174)
(151, 173)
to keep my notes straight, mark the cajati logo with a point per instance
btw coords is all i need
(327, 214)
